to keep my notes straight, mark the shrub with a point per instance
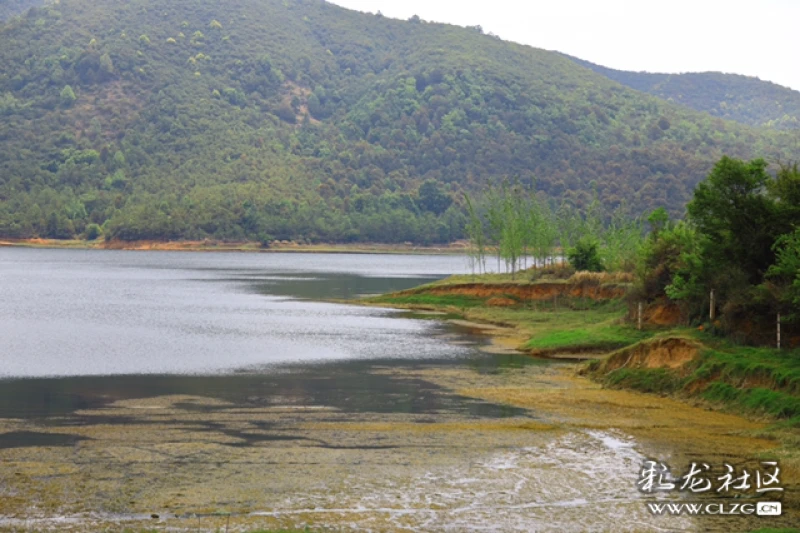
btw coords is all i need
(93, 232)
(585, 256)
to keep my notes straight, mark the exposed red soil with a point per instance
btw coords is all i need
(541, 291)
(671, 353)
(663, 314)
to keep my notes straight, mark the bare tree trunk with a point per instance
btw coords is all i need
(640, 316)
(712, 312)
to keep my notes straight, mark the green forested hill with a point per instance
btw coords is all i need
(730, 96)
(299, 119)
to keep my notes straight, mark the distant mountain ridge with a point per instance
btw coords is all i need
(735, 97)
(298, 119)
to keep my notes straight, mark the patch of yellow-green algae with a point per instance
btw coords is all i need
(471, 427)
(186, 464)
(186, 459)
(664, 428)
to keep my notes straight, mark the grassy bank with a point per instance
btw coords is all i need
(572, 318)
(755, 381)
(554, 316)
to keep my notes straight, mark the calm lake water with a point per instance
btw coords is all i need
(83, 328)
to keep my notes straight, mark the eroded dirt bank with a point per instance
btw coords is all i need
(570, 464)
(529, 291)
(669, 352)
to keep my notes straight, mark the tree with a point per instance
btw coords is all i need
(658, 220)
(785, 273)
(58, 226)
(665, 256)
(785, 190)
(106, 67)
(93, 232)
(741, 242)
(68, 96)
(738, 219)
(541, 231)
(285, 112)
(431, 198)
(477, 239)
(512, 235)
(622, 239)
(585, 256)
(494, 216)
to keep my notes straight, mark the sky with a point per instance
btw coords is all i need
(751, 37)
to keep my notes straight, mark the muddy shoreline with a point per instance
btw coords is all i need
(456, 248)
(569, 463)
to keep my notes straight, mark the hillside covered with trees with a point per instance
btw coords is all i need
(730, 96)
(264, 119)
(11, 8)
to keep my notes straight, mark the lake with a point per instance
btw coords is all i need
(80, 313)
(161, 389)
(81, 328)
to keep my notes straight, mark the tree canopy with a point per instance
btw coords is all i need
(744, 99)
(740, 240)
(302, 120)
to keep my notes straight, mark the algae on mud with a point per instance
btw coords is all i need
(701, 371)
(188, 459)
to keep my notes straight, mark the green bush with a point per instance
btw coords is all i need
(585, 256)
(93, 232)
(68, 96)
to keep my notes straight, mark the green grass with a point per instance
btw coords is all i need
(569, 323)
(601, 335)
(758, 399)
(737, 365)
(652, 380)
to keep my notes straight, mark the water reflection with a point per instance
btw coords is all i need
(21, 439)
(81, 330)
(350, 387)
(330, 286)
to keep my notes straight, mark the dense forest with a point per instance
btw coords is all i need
(271, 119)
(11, 8)
(730, 96)
(741, 242)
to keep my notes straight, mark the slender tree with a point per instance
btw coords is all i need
(477, 238)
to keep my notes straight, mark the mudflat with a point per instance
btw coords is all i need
(569, 461)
